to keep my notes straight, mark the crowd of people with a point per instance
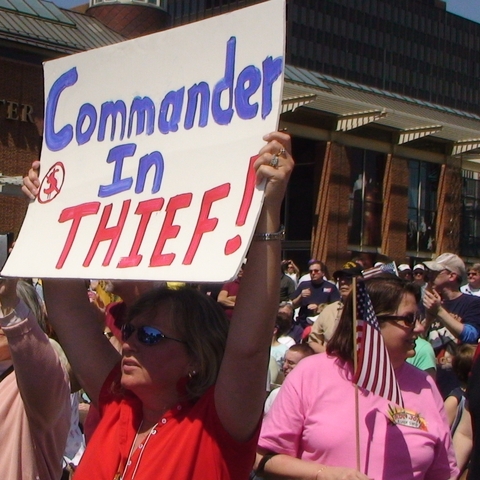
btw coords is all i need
(429, 318)
(253, 379)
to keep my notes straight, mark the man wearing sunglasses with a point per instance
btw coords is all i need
(452, 315)
(310, 294)
(326, 323)
(473, 285)
(446, 304)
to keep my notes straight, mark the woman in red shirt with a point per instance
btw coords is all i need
(185, 398)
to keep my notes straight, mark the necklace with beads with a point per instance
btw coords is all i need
(142, 446)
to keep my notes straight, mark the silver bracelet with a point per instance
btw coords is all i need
(280, 235)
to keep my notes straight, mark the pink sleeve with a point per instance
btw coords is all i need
(283, 424)
(39, 372)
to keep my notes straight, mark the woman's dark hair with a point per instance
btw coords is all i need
(199, 321)
(283, 324)
(314, 261)
(462, 362)
(386, 292)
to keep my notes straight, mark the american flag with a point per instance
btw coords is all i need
(384, 268)
(374, 371)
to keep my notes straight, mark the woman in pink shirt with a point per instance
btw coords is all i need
(35, 406)
(310, 431)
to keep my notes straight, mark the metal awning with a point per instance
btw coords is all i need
(292, 103)
(465, 146)
(66, 32)
(410, 134)
(350, 121)
(355, 105)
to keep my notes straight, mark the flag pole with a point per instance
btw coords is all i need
(355, 364)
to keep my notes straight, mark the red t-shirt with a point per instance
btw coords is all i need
(232, 289)
(190, 443)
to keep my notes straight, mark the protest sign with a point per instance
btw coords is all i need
(147, 152)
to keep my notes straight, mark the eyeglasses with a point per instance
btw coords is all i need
(146, 335)
(409, 320)
(435, 273)
(314, 271)
(345, 280)
(472, 274)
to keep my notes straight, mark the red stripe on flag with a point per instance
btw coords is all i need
(374, 371)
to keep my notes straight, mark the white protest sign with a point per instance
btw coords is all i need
(148, 144)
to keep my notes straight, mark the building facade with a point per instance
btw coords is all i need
(381, 98)
(411, 47)
(419, 182)
(31, 33)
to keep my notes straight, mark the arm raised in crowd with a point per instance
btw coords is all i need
(241, 381)
(433, 305)
(77, 325)
(42, 381)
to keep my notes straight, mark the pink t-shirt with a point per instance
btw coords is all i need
(313, 418)
(35, 408)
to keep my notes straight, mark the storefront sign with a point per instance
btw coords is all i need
(16, 111)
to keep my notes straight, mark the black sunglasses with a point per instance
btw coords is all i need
(146, 335)
(409, 320)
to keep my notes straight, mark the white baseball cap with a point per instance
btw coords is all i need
(448, 261)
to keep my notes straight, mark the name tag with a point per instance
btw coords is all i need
(327, 290)
(407, 418)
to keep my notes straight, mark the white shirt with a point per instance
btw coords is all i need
(286, 340)
(470, 291)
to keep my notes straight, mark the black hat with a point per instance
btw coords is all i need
(348, 272)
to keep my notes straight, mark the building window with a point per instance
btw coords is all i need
(470, 230)
(422, 206)
(365, 210)
(299, 204)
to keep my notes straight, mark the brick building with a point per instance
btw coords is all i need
(31, 33)
(381, 98)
